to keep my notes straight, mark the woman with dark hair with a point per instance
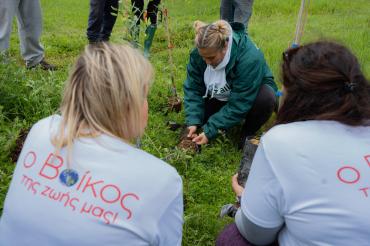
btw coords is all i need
(309, 182)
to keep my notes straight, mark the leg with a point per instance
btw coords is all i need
(260, 112)
(7, 13)
(30, 27)
(243, 11)
(227, 10)
(109, 20)
(95, 21)
(137, 9)
(153, 11)
(150, 31)
(231, 236)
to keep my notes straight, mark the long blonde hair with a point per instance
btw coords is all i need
(104, 94)
(213, 35)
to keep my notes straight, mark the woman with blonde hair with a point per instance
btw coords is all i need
(78, 180)
(228, 82)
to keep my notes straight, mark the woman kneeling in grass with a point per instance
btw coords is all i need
(228, 82)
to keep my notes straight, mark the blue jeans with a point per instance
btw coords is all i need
(101, 20)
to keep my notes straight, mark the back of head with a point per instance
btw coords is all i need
(105, 94)
(213, 35)
(323, 81)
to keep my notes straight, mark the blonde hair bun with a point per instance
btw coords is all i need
(222, 27)
(213, 35)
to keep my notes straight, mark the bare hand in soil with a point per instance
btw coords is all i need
(186, 142)
(192, 132)
(201, 139)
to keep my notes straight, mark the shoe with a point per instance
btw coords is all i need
(44, 65)
(229, 210)
(150, 31)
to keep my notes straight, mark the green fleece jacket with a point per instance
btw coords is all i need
(245, 73)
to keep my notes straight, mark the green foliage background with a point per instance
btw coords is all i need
(27, 96)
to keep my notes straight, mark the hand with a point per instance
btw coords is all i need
(238, 189)
(201, 139)
(192, 132)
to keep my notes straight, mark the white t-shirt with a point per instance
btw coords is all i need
(314, 176)
(123, 196)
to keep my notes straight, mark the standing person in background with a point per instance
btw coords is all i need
(236, 11)
(102, 17)
(78, 180)
(228, 83)
(309, 182)
(29, 19)
(152, 15)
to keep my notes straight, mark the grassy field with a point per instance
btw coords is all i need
(27, 96)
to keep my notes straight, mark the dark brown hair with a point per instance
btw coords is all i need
(323, 81)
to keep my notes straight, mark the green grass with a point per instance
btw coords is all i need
(27, 96)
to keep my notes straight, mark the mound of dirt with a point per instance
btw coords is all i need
(186, 143)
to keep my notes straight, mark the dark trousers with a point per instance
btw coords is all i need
(101, 20)
(258, 115)
(152, 10)
(231, 236)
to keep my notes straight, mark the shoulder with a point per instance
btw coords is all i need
(310, 133)
(46, 126)
(196, 63)
(195, 57)
(50, 120)
(247, 53)
(287, 133)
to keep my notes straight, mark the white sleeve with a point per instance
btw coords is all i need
(254, 233)
(171, 222)
(262, 200)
